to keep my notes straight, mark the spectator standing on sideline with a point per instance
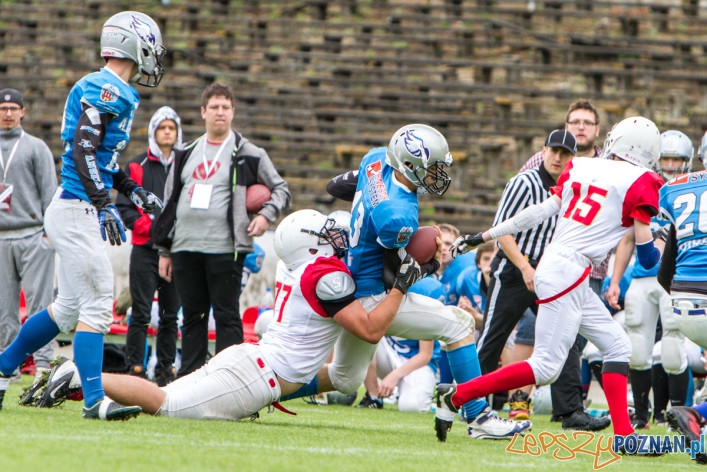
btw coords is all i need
(205, 231)
(27, 184)
(512, 290)
(150, 169)
(96, 125)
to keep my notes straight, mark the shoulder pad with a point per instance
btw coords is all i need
(335, 286)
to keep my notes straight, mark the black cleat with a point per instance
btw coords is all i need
(689, 423)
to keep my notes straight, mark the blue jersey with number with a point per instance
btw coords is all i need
(462, 263)
(639, 271)
(684, 202)
(107, 93)
(383, 216)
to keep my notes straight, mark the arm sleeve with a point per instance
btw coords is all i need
(528, 218)
(343, 186)
(85, 145)
(666, 271)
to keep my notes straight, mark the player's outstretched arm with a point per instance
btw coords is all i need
(528, 218)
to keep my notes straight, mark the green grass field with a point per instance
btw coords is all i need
(319, 438)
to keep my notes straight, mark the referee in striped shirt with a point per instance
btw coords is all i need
(511, 289)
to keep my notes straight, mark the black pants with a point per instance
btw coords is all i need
(506, 301)
(206, 281)
(144, 280)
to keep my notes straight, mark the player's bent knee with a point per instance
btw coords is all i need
(673, 355)
(545, 371)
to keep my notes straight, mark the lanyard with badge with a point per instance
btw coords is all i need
(5, 188)
(201, 197)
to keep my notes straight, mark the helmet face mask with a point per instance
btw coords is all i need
(635, 140)
(676, 145)
(135, 36)
(307, 234)
(420, 153)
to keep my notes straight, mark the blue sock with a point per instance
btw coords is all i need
(702, 409)
(445, 373)
(304, 391)
(690, 389)
(88, 357)
(464, 363)
(37, 331)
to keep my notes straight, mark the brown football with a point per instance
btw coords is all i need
(255, 197)
(423, 245)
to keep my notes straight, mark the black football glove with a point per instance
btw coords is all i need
(408, 274)
(662, 233)
(466, 243)
(145, 200)
(112, 228)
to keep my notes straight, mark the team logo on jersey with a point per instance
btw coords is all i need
(373, 168)
(404, 234)
(110, 93)
(143, 30)
(415, 146)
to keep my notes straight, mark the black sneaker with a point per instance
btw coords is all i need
(27, 397)
(165, 377)
(659, 419)
(446, 410)
(638, 422)
(107, 409)
(583, 421)
(689, 423)
(368, 402)
(63, 380)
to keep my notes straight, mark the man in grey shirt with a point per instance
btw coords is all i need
(27, 184)
(207, 228)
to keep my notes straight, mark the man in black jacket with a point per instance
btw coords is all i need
(150, 170)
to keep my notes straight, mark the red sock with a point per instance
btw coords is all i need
(511, 376)
(615, 390)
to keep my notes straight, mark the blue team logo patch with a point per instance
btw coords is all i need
(110, 93)
(415, 146)
(143, 30)
(404, 234)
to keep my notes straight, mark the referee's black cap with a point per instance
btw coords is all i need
(561, 138)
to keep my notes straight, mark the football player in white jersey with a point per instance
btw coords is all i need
(599, 201)
(646, 300)
(314, 304)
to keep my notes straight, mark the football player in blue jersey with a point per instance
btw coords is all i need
(96, 126)
(646, 301)
(683, 201)
(384, 217)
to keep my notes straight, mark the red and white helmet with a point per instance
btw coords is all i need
(635, 140)
(307, 234)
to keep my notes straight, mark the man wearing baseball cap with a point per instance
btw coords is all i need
(27, 183)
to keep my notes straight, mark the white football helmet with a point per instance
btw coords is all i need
(307, 234)
(635, 140)
(703, 149)
(420, 153)
(675, 143)
(342, 219)
(135, 36)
